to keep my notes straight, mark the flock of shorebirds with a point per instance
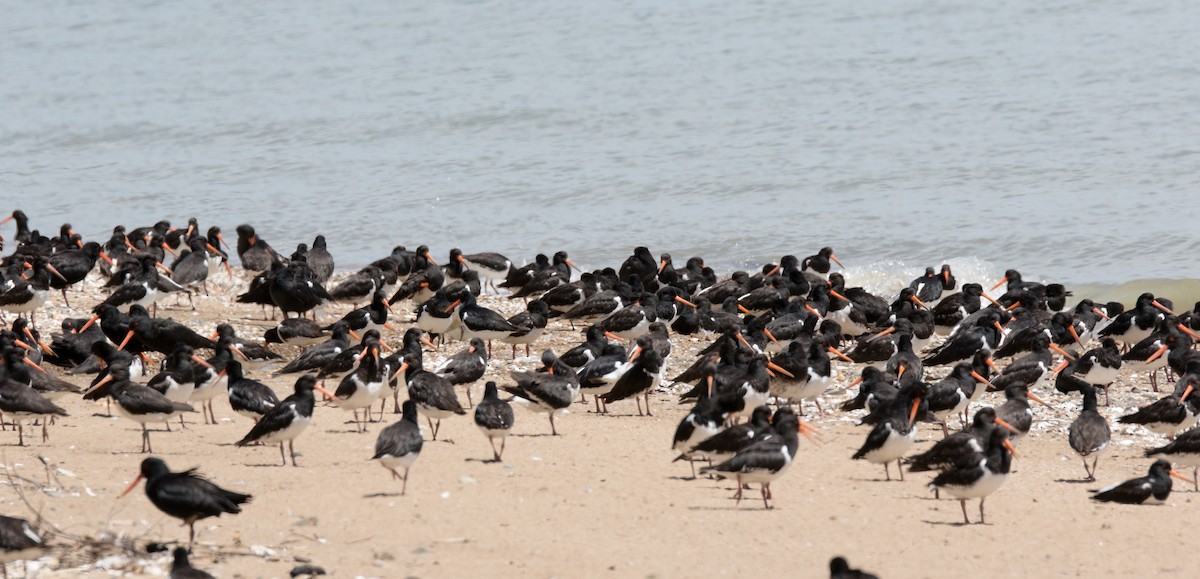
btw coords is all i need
(776, 335)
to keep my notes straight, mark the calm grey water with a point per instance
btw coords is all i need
(1057, 137)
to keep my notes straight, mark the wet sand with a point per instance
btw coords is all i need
(602, 499)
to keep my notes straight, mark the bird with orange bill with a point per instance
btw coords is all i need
(288, 419)
(186, 495)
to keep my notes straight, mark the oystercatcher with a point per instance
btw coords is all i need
(1170, 414)
(1185, 450)
(490, 266)
(893, 436)
(19, 541)
(256, 254)
(288, 419)
(530, 324)
(1089, 434)
(481, 322)
(598, 376)
(962, 446)
(20, 403)
(400, 443)
(980, 476)
(139, 403)
(363, 383)
(640, 376)
(249, 398)
(295, 332)
(466, 366)
(433, 394)
(1152, 489)
(494, 417)
(551, 391)
(181, 568)
(840, 569)
(764, 461)
(186, 495)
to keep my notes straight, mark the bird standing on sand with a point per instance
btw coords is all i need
(288, 419)
(139, 403)
(979, 476)
(466, 366)
(186, 495)
(494, 417)
(400, 443)
(1089, 434)
(551, 391)
(893, 436)
(765, 461)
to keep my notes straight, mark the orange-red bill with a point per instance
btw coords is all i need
(777, 368)
(615, 337)
(912, 413)
(839, 354)
(1035, 398)
(133, 484)
(1006, 425)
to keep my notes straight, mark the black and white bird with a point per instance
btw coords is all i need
(705, 420)
(550, 391)
(288, 419)
(20, 403)
(598, 376)
(363, 384)
(494, 417)
(296, 332)
(399, 444)
(247, 397)
(139, 403)
(1152, 489)
(764, 461)
(1184, 450)
(1170, 414)
(466, 366)
(1138, 322)
(980, 476)
(490, 266)
(434, 395)
(640, 377)
(892, 437)
(530, 324)
(1089, 434)
(480, 322)
(962, 446)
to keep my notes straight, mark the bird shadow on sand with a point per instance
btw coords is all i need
(483, 460)
(954, 523)
(381, 495)
(1076, 481)
(542, 435)
(732, 508)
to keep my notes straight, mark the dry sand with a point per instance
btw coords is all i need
(601, 500)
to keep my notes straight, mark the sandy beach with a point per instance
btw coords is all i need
(601, 500)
